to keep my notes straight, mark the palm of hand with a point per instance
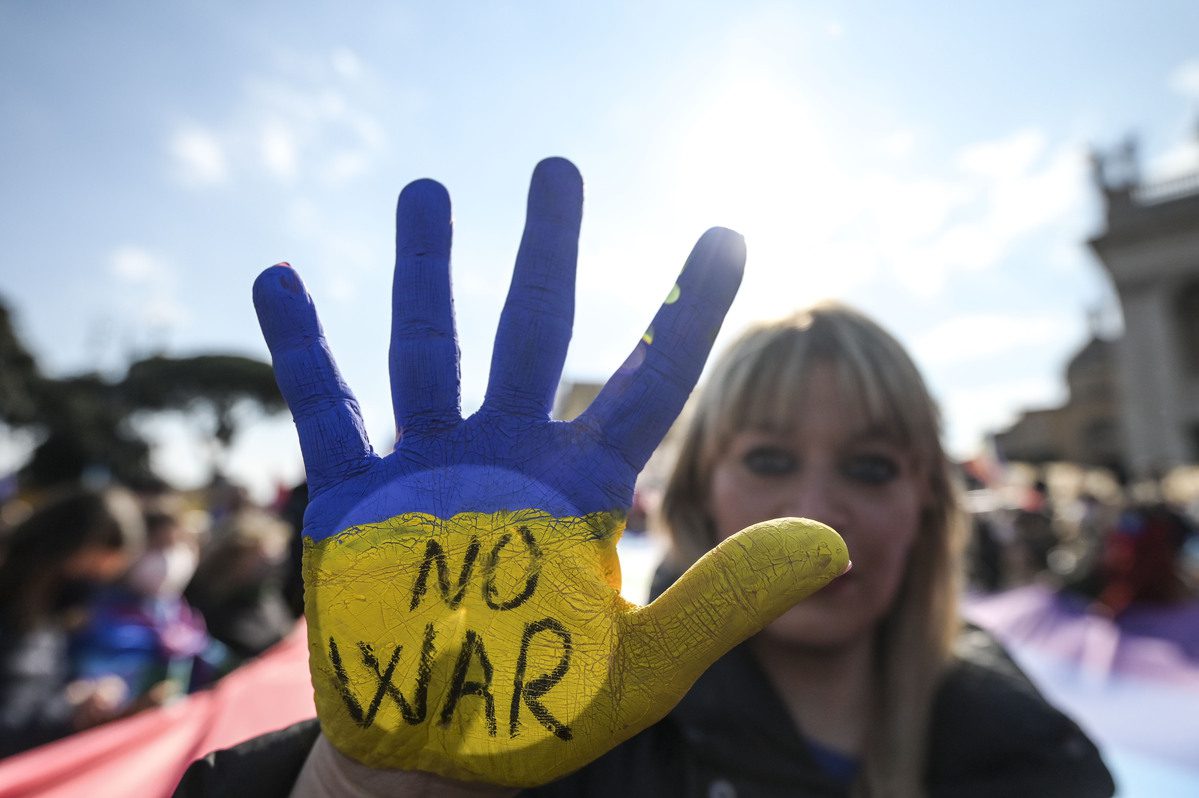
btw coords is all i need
(462, 592)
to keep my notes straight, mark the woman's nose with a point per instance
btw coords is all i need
(816, 496)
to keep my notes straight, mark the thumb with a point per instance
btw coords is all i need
(731, 593)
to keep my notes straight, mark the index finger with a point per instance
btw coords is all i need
(642, 399)
(329, 424)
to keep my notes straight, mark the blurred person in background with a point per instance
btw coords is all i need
(984, 551)
(53, 564)
(291, 509)
(1035, 536)
(1139, 563)
(238, 586)
(143, 631)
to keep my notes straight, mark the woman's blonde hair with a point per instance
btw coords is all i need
(757, 384)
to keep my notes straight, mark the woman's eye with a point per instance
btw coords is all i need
(871, 469)
(767, 461)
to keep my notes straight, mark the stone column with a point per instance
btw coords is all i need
(1151, 373)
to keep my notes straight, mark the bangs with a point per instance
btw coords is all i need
(762, 381)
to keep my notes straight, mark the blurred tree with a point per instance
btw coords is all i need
(207, 387)
(19, 376)
(87, 430)
(87, 421)
(80, 420)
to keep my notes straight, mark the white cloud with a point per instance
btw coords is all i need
(904, 212)
(817, 226)
(150, 291)
(370, 133)
(345, 62)
(136, 265)
(337, 255)
(305, 128)
(345, 166)
(1185, 79)
(1005, 191)
(199, 156)
(1003, 158)
(338, 286)
(899, 144)
(164, 311)
(754, 156)
(755, 153)
(965, 338)
(279, 153)
(308, 122)
(1037, 198)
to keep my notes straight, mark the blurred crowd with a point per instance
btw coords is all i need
(1092, 535)
(112, 602)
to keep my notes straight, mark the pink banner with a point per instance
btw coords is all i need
(147, 753)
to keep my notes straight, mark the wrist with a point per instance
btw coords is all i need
(327, 772)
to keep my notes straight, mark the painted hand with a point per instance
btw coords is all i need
(462, 592)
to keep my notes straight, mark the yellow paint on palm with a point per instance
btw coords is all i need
(438, 644)
(496, 647)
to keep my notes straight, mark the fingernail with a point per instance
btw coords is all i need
(283, 263)
(848, 567)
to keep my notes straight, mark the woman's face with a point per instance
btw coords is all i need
(832, 468)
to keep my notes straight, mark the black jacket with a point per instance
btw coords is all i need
(992, 734)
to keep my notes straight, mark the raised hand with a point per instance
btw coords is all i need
(462, 592)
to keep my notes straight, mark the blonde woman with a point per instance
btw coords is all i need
(871, 686)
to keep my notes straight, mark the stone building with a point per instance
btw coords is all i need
(1133, 402)
(1150, 249)
(1084, 430)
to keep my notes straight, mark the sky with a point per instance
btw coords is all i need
(925, 162)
